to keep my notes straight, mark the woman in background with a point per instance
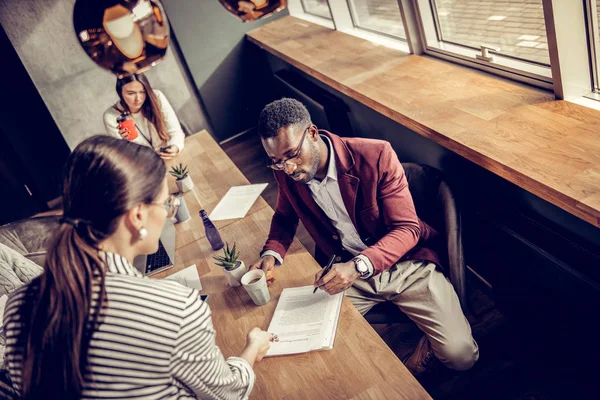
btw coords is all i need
(156, 122)
(91, 326)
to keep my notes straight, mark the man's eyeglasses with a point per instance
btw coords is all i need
(292, 161)
(171, 205)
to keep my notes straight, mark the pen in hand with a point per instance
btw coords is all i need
(327, 268)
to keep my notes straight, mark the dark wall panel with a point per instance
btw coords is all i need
(28, 130)
(232, 76)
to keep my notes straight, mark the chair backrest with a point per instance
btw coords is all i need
(436, 206)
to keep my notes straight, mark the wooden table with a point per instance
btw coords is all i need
(213, 174)
(360, 366)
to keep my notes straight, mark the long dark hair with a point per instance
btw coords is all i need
(151, 107)
(103, 179)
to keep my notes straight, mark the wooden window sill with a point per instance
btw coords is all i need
(548, 147)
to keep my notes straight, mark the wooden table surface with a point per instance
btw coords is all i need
(549, 147)
(213, 174)
(360, 366)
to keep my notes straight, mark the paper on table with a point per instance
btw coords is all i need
(187, 277)
(237, 201)
(304, 321)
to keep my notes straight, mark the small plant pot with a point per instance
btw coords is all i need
(235, 275)
(185, 185)
(183, 214)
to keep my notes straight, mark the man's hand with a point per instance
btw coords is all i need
(339, 278)
(267, 264)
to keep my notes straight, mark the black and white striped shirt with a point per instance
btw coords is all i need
(155, 340)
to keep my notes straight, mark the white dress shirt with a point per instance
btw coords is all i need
(327, 195)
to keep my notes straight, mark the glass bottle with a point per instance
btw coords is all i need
(212, 234)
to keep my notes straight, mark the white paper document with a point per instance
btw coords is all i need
(187, 277)
(237, 201)
(304, 321)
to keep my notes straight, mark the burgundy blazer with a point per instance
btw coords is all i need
(376, 195)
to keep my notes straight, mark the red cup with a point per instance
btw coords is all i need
(126, 122)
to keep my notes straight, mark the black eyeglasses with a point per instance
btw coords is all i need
(292, 161)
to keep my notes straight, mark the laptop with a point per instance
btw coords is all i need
(161, 260)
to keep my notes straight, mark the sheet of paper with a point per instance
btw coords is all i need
(237, 201)
(290, 346)
(187, 277)
(303, 320)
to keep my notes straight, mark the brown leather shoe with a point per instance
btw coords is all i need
(422, 361)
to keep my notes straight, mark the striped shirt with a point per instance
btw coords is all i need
(155, 340)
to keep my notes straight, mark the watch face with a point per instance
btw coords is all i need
(361, 266)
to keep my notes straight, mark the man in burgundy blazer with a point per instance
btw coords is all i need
(352, 196)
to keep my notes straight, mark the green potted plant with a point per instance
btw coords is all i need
(183, 179)
(233, 268)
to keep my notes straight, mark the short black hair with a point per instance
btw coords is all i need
(282, 113)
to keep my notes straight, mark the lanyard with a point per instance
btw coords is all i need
(145, 137)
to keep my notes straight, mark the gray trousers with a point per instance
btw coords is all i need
(426, 296)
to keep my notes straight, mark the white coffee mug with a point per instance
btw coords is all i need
(258, 291)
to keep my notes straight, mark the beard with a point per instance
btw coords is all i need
(307, 174)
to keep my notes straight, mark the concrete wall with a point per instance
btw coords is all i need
(231, 75)
(75, 90)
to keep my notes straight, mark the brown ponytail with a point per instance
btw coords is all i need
(104, 178)
(151, 107)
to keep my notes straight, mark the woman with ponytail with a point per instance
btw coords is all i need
(91, 326)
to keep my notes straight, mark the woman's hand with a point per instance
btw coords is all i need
(258, 343)
(124, 133)
(259, 339)
(169, 153)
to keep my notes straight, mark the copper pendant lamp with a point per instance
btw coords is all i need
(122, 36)
(252, 10)
(131, 36)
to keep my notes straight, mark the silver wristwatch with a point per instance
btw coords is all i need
(361, 267)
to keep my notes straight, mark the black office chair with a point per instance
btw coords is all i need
(435, 205)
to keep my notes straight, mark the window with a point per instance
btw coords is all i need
(517, 27)
(505, 37)
(320, 8)
(514, 32)
(381, 16)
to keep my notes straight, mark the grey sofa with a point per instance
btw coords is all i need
(29, 237)
(23, 250)
(22, 254)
